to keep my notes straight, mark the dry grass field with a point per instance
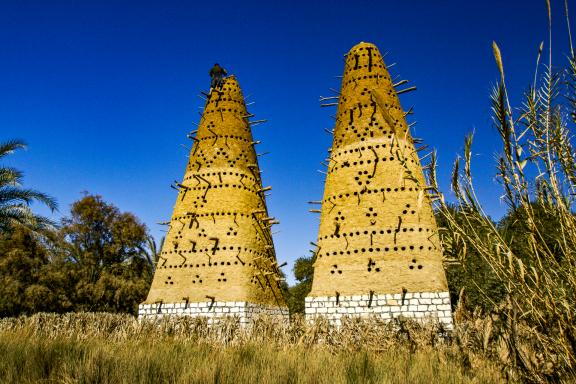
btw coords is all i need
(106, 348)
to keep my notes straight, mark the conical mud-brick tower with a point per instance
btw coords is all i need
(218, 257)
(378, 247)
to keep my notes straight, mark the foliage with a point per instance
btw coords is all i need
(152, 253)
(106, 247)
(15, 200)
(516, 232)
(474, 277)
(532, 253)
(30, 279)
(304, 274)
(99, 260)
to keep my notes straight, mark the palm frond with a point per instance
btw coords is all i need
(10, 176)
(15, 201)
(10, 146)
(14, 195)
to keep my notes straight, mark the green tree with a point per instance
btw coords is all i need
(31, 280)
(304, 274)
(105, 246)
(100, 260)
(15, 200)
(466, 269)
(517, 227)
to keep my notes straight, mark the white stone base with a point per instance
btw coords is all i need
(245, 311)
(423, 306)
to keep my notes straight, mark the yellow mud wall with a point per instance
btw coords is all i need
(219, 245)
(377, 230)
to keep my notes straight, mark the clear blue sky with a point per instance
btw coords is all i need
(105, 92)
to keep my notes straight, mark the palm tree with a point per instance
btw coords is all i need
(152, 254)
(15, 200)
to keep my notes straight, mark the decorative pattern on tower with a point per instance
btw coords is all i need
(218, 257)
(378, 250)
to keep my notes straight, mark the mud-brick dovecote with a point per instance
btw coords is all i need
(218, 257)
(378, 248)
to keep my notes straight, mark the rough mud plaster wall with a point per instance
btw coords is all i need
(377, 230)
(219, 246)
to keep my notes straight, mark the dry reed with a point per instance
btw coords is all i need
(70, 347)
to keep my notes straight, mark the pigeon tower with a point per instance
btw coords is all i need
(218, 257)
(378, 251)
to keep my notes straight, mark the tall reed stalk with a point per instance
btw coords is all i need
(533, 254)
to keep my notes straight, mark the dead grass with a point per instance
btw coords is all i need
(106, 348)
